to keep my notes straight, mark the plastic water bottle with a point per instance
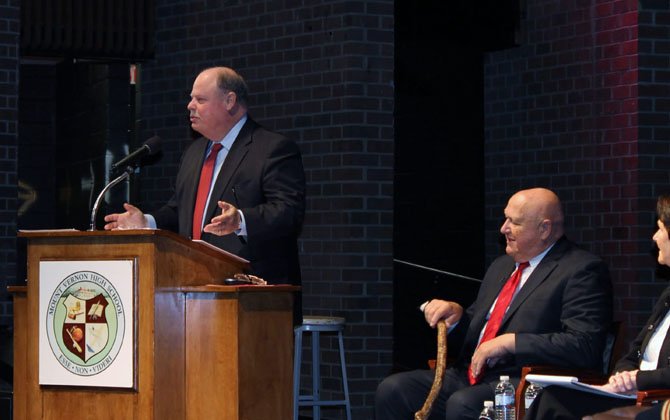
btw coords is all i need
(505, 399)
(488, 413)
(531, 392)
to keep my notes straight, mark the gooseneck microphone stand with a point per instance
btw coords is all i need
(126, 173)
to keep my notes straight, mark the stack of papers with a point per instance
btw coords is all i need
(573, 382)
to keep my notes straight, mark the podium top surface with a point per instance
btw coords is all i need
(70, 233)
(206, 288)
(73, 234)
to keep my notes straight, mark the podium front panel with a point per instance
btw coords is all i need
(202, 351)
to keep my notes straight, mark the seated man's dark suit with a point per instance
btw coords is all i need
(660, 411)
(560, 317)
(262, 176)
(561, 403)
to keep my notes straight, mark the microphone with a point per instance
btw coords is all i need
(150, 147)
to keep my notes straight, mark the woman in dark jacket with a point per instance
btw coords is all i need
(645, 366)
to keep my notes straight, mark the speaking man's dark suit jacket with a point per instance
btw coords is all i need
(263, 176)
(560, 316)
(556, 402)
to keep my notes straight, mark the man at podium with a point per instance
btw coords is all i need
(239, 187)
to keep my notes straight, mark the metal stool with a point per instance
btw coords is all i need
(316, 325)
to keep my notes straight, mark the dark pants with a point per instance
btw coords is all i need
(653, 413)
(399, 396)
(555, 402)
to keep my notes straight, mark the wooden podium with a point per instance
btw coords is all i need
(201, 350)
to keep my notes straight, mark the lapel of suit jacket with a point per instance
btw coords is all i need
(660, 310)
(480, 318)
(539, 275)
(235, 156)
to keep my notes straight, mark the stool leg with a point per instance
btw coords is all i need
(297, 360)
(316, 375)
(345, 383)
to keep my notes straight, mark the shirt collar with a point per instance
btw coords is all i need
(536, 259)
(229, 138)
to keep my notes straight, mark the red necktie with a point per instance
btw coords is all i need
(492, 327)
(206, 174)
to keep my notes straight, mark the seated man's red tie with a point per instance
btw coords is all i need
(203, 189)
(492, 327)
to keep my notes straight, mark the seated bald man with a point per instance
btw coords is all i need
(545, 302)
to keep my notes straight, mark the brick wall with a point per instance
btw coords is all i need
(322, 73)
(653, 148)
(564, 110)
(580, 106)
(9, 76)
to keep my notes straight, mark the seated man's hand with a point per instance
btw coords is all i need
(133, 218)
(490, 352)
(436, 310)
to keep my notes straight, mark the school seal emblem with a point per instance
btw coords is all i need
(85, 323)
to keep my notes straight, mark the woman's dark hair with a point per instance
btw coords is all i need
(663, 210)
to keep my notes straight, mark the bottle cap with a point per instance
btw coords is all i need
(488, 404)
(504, 377)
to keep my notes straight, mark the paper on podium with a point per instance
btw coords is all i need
(573, 382)
(47, 230)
